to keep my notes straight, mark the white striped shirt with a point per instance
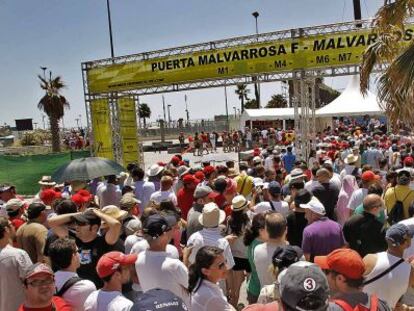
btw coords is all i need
(210, 237)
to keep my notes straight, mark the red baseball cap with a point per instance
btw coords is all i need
(190, 179)
(409, 161)
(175, 160)
(369, 176)
(37, 269)
(111, 261)
(344, 261)
(208, 170)
(199, 175)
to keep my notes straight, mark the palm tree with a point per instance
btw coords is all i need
(395, 84)
(144, 112)
(53, 104)
(277, 101)
(242, 91)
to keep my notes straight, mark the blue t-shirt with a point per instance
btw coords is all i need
(289, 161)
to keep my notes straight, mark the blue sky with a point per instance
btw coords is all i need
(60, 34)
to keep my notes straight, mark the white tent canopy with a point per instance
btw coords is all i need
(268, 114)
(351, 103)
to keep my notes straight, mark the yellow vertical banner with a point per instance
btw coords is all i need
(128, 130)
(102, 129)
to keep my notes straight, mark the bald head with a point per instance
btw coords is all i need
(371, 202)
(323, 175)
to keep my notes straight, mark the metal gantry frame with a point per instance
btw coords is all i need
(304, 80)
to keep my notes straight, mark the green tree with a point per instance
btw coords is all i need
(242, 91)
(251, 104)
(396, 83)
(277, 101)
(53, 104)
(144, 112)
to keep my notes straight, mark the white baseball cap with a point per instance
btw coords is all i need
(315, 206)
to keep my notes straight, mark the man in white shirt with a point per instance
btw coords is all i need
(275, 204)
(142, 189)
(368, 178)
(210, 235)
(65, 260)
(350, 168)
(114, 269)
(155, 268)
(14, 264)
(276, 228)
(109, 193)
(165, 193)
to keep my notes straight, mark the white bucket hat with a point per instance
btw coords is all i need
(239, 203)
(211, 216)
(154, 170)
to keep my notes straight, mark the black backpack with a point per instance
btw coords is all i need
(397, 212)
(68, 284)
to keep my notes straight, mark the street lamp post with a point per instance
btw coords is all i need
(227, 108)
(235, 112)
(169, 116)
(186, 110)
(257, 84)
(43, 121)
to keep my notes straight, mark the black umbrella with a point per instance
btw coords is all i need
(86, 169)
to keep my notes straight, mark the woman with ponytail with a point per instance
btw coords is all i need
(253, 236)
(208, 269)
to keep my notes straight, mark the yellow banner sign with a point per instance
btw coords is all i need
(311, 52)
(102, 129)
(128, 130)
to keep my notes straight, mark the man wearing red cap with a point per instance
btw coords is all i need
(185, 196)
(210, 174)
(114, 270)
(368, 178)
(344, 270)
(39, 287)
(408, 164)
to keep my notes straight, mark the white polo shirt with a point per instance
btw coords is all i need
(210, 237)
(76, 295)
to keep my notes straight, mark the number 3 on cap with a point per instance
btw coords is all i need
(309, 284)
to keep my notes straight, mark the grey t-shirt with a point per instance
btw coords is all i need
(193, 225)
(14, 263)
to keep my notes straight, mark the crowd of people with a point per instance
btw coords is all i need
(333, 232)
(235, 140)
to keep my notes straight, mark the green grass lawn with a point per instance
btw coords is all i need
(25, 171)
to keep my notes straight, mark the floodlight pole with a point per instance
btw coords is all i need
(108, 8)
(357, 12)
(257, 83)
